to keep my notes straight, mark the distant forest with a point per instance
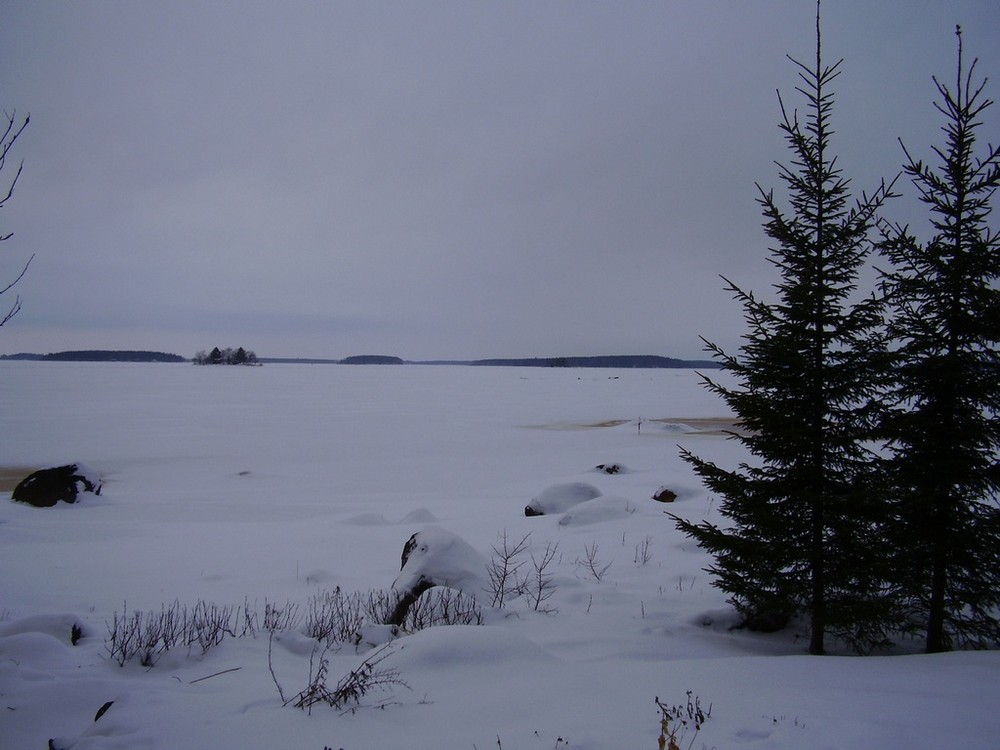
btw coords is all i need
(217, 356)
(97, 355)
(646, 361)
(241, 356)
(643, 361)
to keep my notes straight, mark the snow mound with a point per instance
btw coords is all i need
(472, 647)
(375, 634)
(38, 651)
(559, 498)
(604, 508)
(117, 728)
(65, 628)
(367, 519)
(420, 515)
(294, 642)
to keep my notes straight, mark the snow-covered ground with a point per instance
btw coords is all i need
(246, 486)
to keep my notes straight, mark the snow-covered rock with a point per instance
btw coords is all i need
(664, 495)
(441, 558)
(560, 497)
(46, 487)
(611, 468)
(437, 557)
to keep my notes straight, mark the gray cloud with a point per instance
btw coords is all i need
(440, 179)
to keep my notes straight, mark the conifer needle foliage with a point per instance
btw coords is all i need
(802, 511)
(942, 424)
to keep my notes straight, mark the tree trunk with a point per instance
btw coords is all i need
(817, 609)
(936, 641)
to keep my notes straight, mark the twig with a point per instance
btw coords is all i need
(208, 677)
(270, 666)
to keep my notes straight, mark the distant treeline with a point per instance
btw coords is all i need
(98, 355)
(371, 359)
(647, 361)
(217, 356)
(615, 361)
(241, 356)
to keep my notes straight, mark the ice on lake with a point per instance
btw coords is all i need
(233, 485)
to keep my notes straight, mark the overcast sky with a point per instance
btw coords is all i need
(431, 179)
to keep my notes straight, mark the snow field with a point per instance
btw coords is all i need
(231, 484)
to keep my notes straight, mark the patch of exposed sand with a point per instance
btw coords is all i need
(11, 476)
(694, 426)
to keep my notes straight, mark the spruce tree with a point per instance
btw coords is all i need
(943, 427)
(802, 512)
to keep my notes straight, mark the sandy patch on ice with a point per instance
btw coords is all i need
(11, 476)
(665, 425)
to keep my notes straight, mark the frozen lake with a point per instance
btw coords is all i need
(301, 450)
(235, 485)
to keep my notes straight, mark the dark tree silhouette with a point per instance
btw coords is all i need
(226, 356)
(802, 512)
(943, 422)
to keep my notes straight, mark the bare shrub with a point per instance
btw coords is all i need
(280, 617)
(249, 623)
(354, 686)
(122, 641)
(591, 563)
(148, 635)
(504, 569)
(331, 617)
(334, 617)
(143, 635)
(380, 604)
(337, 617)
(678, 722)
(442, 606)
(540, 587)
(643, 551)
(208, 624)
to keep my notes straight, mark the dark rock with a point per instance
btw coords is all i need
(411, 544)
(664, 495)
(611, 468)
(46, 487)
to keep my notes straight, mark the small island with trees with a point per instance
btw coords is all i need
(227, 356)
